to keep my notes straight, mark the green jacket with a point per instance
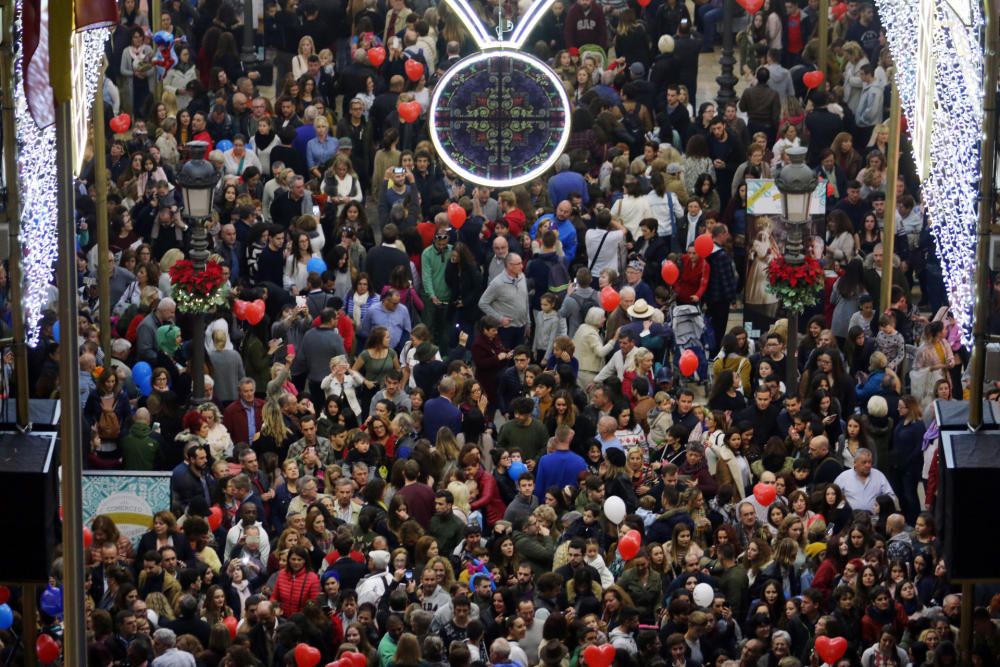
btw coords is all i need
(536, 550)
(432, 266)
(532, 439)
(448, 530)
(646, 596)
(139, 449)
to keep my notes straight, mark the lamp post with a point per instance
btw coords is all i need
(248, 52)
(796, 183)
(197, 180)
(726, 79)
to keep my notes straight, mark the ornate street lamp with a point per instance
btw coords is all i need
(197, 181)
(796, 182)
(727, 80)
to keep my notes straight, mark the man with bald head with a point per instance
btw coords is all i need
(263, 633)
(506, 300)
(145, 341)
(824, 468)
(141, 446)
(496, 263)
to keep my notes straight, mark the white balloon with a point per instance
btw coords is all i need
(703, 595)
(614, 509)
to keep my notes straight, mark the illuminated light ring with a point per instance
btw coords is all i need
(442, 120)
(38, 187)
(484, 38)
(953, 118)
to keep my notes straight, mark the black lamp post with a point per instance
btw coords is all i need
(197, 180)
(726, 79)
(796, 183)
(248, 52)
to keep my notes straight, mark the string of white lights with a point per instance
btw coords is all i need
(938, 58)
(38, 186)
(951, 188)
(88, 62)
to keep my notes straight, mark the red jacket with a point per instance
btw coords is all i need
(293, 591)
(693, 280)
(871, 629)
(489, 497)
(235, 420)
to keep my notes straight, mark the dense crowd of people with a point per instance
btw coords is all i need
(430, 445)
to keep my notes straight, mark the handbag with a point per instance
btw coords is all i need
(922, 384)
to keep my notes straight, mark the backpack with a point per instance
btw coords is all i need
(108, 426)
(585, 303)
(558, 280)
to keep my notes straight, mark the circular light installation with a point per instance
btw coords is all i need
(499, 117)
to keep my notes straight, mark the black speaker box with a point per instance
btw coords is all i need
(29, 504)
(969, 467)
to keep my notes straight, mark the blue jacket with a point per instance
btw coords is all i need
(871, 387)
(567, 234)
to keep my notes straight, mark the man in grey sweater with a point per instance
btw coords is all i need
(319, 345)
(506, 299)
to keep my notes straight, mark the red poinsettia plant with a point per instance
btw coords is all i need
(197, 291)
(796, 285)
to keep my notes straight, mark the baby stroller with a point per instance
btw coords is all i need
(688, 323)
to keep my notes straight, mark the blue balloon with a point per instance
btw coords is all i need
(55, 331)
(142, 375)
(6, 617)
(52, 601)
(516, 469)
(316, 265)
(224, 145)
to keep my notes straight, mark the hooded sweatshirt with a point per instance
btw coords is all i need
(139, 448)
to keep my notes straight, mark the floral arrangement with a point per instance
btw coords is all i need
(197, 292)
(796, 285)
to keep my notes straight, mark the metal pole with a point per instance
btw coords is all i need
(199, 257)
(248, 53)
(103, 242)
(892, 169)
(824, 36)
(965, 630)
(157, 25)
(29, 630)
(982, 286)
(13, 216)
(72, 439)
(726, 79)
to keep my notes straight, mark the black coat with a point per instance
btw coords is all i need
(822, 125)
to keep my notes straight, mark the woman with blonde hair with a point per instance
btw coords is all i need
(220, 443)
(855, 58)
(300, 63)
(460, 494)
(407, 652)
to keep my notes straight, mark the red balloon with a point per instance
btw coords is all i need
(628, 546)
(688, 363)
(669, 272)
(354, 659)
(255, 312)
(609, 299)
(409, 112)
(240, 309)
(456, 215)
(47, 649)
(599, 656)
(120, 123)
(704, 245)
(830, 190)
(376, 56)
(752, 6)
(230, 622)
(306, 655)
(812, 79)
(214, 518)
(4, 594)
(88, 538)
(643, 3)
(831, 649)
(765, 495)
(414, 69)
